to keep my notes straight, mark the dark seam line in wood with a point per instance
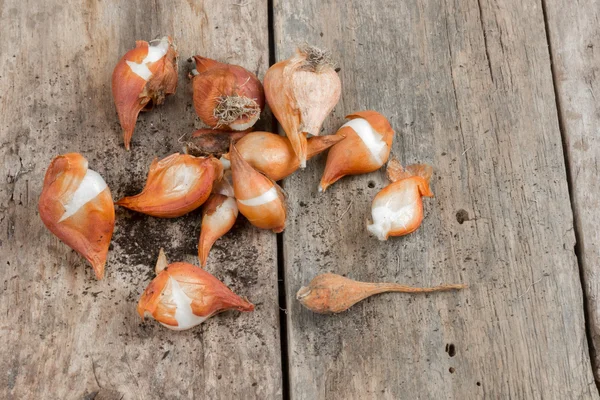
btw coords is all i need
(577, 231)
(283, 339)
(487, 53)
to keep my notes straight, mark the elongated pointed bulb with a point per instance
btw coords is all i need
(175, 186)
(259, 199)
(76, 206)
(142, 78)
(218, 216)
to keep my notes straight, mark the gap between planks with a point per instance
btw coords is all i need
(569, 178)
(283, 339)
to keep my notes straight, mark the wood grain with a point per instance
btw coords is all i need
(468, 87)
(65, 335)
(574, 32)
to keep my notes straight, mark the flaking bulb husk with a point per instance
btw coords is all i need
(302, 91)
(142, 78)
(226, 96)
(365, 149)
(182, 296)
(397, 209)
(176, 185)
(259, 199)
(272, 154)
(77, 207)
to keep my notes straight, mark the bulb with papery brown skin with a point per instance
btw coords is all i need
(176, 185)
(183, 296)
(365, 149)
(214, 142)
(218, 216)
(226, 96)
(301, 92)
(143, 78)
(273, 155)
(397, 209)
(77, 207)
(259, 199)
(331, 293)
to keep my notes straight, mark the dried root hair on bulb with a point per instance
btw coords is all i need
(226, 96)
(182, 296)
(365, 149)
(273, 155)
(397, 209)
(77, 207)
(331, 293)
(259, 199)
(176, 185)
(142, 78)
(302, 91)
(219, 214)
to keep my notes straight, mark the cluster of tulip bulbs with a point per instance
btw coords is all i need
(76, 204)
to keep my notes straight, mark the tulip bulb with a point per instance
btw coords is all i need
(397, 210)
(226, 96)
(76, 206)
(218, 216)
(331, 293)
(301, 92)
(259, 199)
(143, 78)
(175, 186)
(212, 141)
(182, 296)
(273, 155)
(366, 148)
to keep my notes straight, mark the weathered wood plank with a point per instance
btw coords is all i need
(64, 335)
(574, 32)
(468, 87)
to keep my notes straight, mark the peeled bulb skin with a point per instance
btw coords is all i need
(273, 155)
(143, 78)
(301, 92)
(397, 209)
(259, 199)
(331, 293)
(176, 185)
(366, 148)
(183, 296)
(226, 96)
(76, 206)
(219, 214)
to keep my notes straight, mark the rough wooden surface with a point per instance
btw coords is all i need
(574, 34)
(468, 87)
(65, 335)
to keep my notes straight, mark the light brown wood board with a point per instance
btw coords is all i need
(467, 85)
(574, 34)
(65, 335)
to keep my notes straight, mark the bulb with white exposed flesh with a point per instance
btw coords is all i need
(182, 296)
(76, 206)
(176, 185)
(259, 199)
(143, 77)
(218, 216)
(365, 149)
(397, 210)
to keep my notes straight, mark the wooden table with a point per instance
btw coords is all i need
(499, 96)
